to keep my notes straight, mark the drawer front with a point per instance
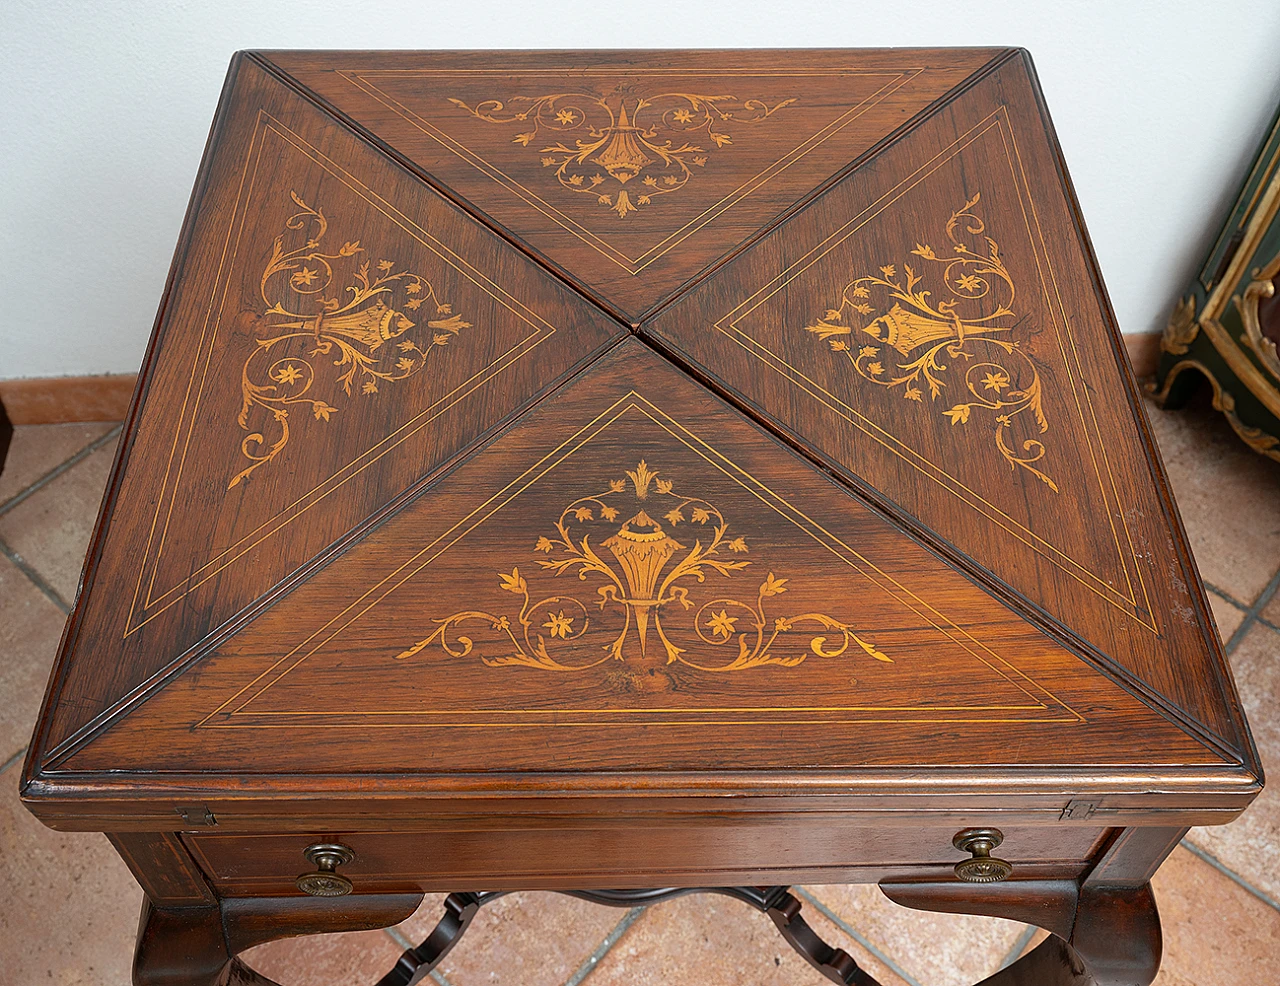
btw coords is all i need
(612, 856)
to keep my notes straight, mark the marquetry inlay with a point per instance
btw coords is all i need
(949, 318)
(662, 139)
(639, 570)
(364, 328)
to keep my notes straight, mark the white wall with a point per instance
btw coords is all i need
(104, 109)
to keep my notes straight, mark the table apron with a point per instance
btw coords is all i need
(609, 856)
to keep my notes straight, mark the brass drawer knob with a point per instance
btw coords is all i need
(981, 867)
(326, 881)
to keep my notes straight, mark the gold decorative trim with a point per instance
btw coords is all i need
(649, 143)
(1262, 188)
(908, 321)
(1260, 441)
(1182, 328)
(355, 330)
(1262, 286)
(644, 576)
(1237, 359)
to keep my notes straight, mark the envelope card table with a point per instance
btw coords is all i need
(631, 473)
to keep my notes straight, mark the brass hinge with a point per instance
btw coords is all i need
(1077, 810)
(196, 815)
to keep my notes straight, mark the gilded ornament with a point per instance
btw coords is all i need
(1260, 441)
(305, 319)
(894, 334)
(1182, 327)
(653, 140)
(640, 573)
(1260, 288)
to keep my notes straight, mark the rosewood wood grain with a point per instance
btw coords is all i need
(986, 409)
(698, 852)
(164, 868)
(1109, 936)
(665, 470)
(1134, 855)
(1104, 928)
(301, 222)
(880, 631)
(197, 946)
(679, 157)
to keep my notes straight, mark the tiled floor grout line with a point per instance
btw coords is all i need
(59, 469)
(15, 759)
(853, 933)
(1223, 594)
(1264, 600)
(603, 949)
(1226, 871)
(1019, 946)
(69, 463)
(581, 973)
(1243, 607)
(1251, 615)
(35, 578)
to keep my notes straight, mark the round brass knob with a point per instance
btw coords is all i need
(325, 881)
(982, 867)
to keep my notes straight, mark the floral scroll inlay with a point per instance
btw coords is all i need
(369, 328)
(960, 339)
(658, 140)
(644, 569)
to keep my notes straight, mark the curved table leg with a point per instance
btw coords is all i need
(239, 974)
(416, 963)
(1051, 963)
(1117, 933)
(784, 909)
(197, 946)
(1099, 936)
(181, 946)
(834, 963)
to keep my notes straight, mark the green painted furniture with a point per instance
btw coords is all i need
(1228, 324)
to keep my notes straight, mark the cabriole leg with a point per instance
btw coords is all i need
(1099, 936)
(197, 946)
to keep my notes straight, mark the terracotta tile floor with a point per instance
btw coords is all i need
(70, 907)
